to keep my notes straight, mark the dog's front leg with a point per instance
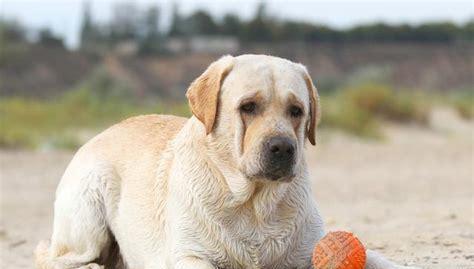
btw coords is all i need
(376, 261)
(193, 262)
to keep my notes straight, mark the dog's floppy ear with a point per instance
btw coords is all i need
(203, 94)
(314, 107)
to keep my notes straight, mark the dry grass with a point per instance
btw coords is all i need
(386, 103)
(359, 110)
(27, 123)
(463, 102)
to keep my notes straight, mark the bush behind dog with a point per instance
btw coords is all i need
(68, 121)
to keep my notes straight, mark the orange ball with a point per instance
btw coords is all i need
(339, 250)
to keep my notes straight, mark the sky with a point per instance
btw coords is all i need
(64, 17)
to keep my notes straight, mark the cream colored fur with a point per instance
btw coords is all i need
(177, 193)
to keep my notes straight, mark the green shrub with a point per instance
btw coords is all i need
(465, 109)
(407, 107)
(357, 110)
(99, 102)
(384, 102)
(463, 102)
(15, 113)
(339, 114)
(379, 74)
(37, 123)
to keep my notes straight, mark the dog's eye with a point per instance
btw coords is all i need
(296, 112)
(248, 108)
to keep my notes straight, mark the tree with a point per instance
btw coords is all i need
(201, 23)
(467, 31)
(91, 36)
(151, 23)
(48, 39)
(87, 28)
(231, 25)
(442, 31)
(11, 31)
(176, 23)
(258, 29)
(125, 24)
(150, 43)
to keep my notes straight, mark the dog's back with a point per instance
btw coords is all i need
(145, 136)
(131, 147)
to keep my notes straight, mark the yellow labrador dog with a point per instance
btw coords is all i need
(227, 188)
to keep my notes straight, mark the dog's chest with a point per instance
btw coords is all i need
(245, 243)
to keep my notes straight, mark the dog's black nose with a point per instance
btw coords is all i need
(281, 148)
(280, 157)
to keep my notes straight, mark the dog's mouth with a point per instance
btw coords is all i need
(280, 178)
(270, 170)
(273, 177)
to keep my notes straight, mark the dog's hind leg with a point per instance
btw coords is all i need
(80, 231)
(44, 259)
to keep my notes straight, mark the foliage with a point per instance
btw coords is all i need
(11, 31)
(231, 25)
(260, 28)
(95, 104)
(463, 102)
(201, 23)
(36, 123)
(131, 23)
(465, 108)
(176, 22)
(359, 109)
(263, 28)
(128, 25)
(48, 39)
(338, 113)
(13, 43)
(384, 102)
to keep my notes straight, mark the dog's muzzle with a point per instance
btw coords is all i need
(279, 157)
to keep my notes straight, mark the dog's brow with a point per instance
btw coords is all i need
(295, 99)
(250, 96)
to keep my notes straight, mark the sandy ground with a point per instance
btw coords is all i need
(409, 196)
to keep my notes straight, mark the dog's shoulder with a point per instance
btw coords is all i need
(135, 137)
(154, 120)
(166, 125)
(153, 129)
(160, 127)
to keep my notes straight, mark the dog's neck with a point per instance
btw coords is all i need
(261, 197)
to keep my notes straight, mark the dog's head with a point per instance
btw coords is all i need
(259, 109)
